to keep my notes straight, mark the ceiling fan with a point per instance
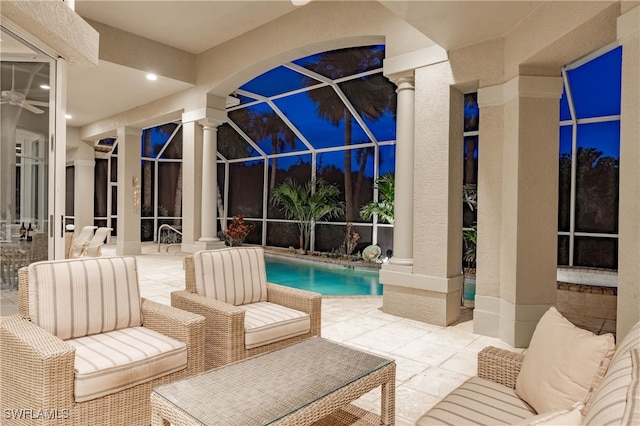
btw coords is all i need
(12, 97)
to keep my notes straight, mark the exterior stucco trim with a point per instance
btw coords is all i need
(629, 25)
(523, 86)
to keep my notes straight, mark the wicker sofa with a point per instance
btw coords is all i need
(496, 396)
(245, 315)
(86, 349)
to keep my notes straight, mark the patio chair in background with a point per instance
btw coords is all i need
(13, 257)
(80, 240)
(92, 353)
(94, 247)
(11, 260)
(39, 249)
(244, 314)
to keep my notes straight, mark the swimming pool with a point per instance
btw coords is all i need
(326, 279)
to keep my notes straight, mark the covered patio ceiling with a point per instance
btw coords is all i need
(196, 26)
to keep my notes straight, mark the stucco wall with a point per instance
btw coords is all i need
(58, 29)
(490, 192)
(629, 240)
(556, 34)
(438, 173)
(77, 149)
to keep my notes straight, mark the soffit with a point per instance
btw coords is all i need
(196, 26)
(454, 24)
(192, 26)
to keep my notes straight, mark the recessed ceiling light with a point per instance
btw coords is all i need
(299, 2)
(68, 116)
(152, 77)
(45, 86)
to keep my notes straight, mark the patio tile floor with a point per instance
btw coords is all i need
(431, 360)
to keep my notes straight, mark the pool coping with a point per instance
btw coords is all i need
(305, 258)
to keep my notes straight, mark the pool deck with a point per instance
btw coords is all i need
(431, 360)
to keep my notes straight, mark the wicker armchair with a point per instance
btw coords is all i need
(487, 398)
(499, 365)
(566, 376)
(38, 369)
(226, 329)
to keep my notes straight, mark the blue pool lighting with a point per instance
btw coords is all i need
(326, 279)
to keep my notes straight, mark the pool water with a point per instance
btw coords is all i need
(326, 279)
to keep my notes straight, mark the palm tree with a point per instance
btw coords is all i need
(362, 155)
(385, 185)
(370, 97)
(304, 205)
(231, 146)
(269, 125)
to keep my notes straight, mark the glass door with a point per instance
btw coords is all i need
(26, 119)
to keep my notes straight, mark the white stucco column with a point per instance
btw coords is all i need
(199, 177)
(84, 188)
(191, 183)
(525, 239)
(629, 226)
(403, 202)
(423, 280)
(209, 219)
(129, 181)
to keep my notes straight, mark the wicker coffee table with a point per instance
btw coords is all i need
(309, 382)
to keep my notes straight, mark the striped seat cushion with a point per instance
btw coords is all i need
(110, 362)
(568, 416)
(478, 401)
(610, 400)
(632, 409)
(266, 323)
(235, 275)
(81, 297)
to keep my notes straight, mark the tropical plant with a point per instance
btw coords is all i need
(362, 157)
(470, 195)
(470, 242)
(385, 185)
(307, 204)
(237, 231)
(369, 96)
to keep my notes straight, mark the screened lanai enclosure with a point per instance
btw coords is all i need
(331, 116)
(328, 116)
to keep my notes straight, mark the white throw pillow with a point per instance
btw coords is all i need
(563, 365)
(566, 417)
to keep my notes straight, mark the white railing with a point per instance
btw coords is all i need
(169, 229)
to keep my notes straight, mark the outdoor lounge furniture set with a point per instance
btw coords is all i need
(567, 376)
(85, 348)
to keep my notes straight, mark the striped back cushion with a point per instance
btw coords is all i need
(81, 297)
(235, 275)
(610, 400)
